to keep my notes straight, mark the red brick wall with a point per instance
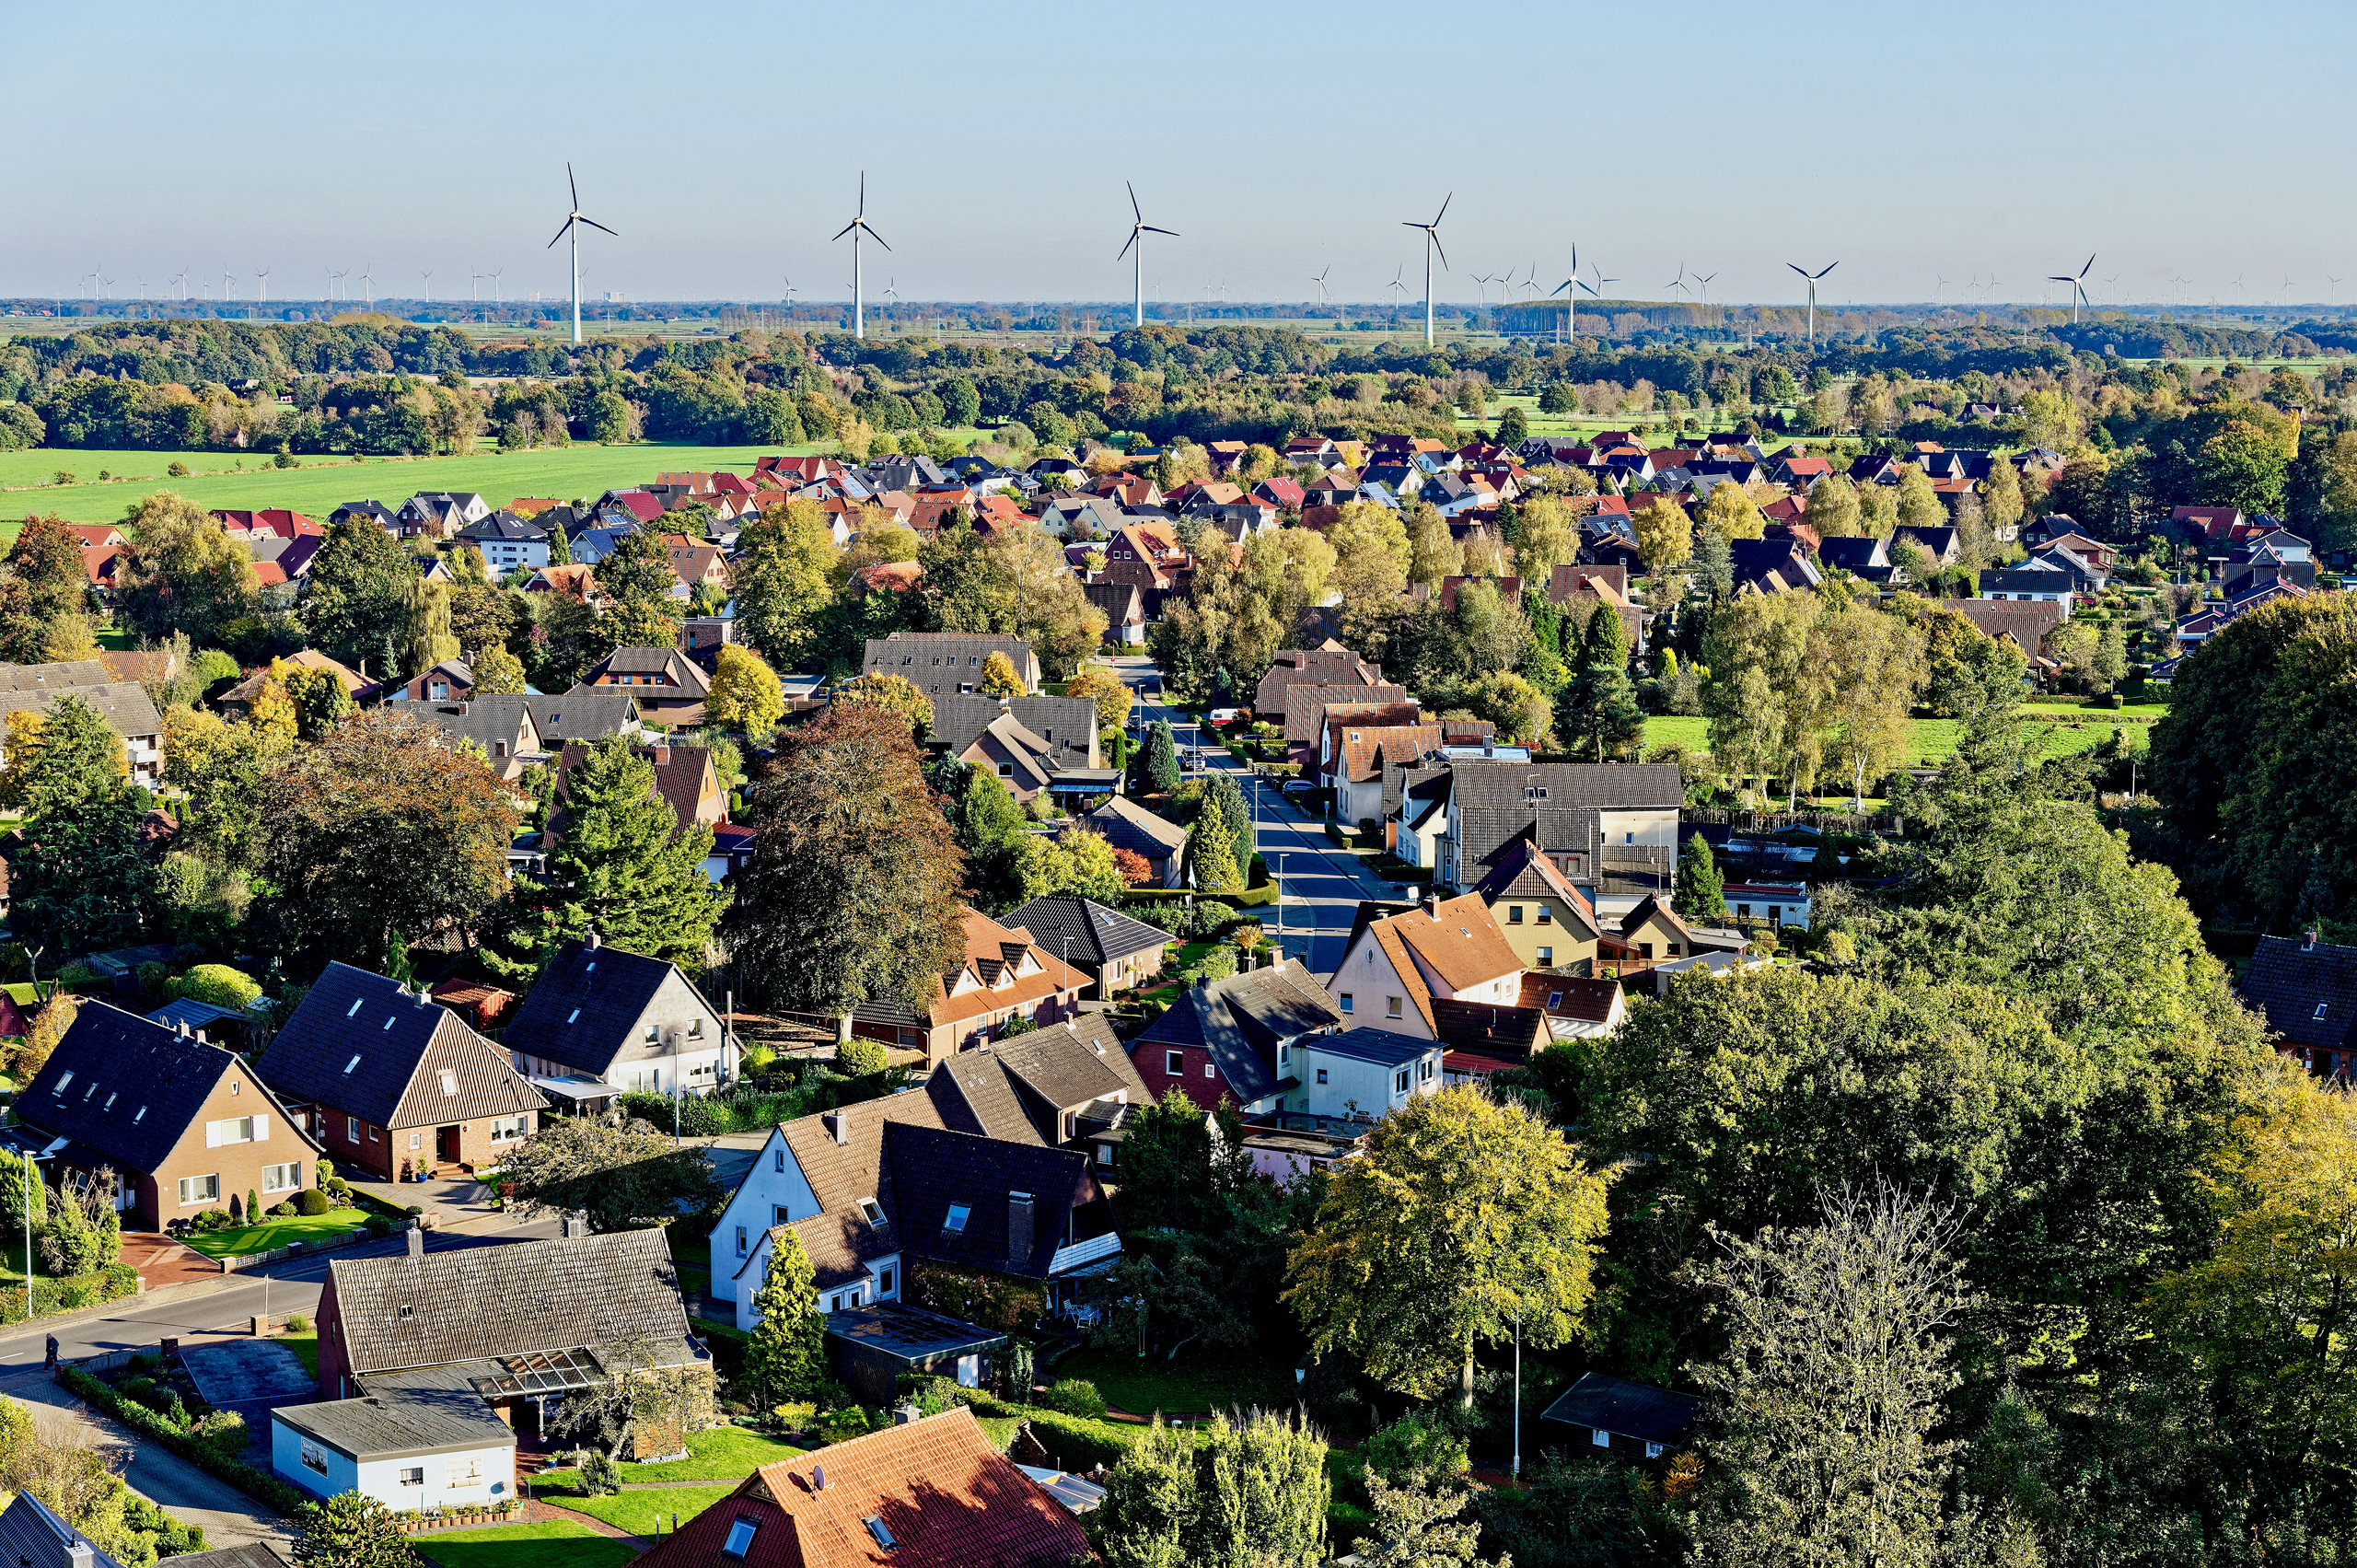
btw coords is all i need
(239, 1166)
(1149, 1058)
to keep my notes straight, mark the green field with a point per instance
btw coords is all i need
(559, 1543)
(1933, 739)
(1143, 1385)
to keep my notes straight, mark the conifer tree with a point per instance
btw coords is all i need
(1211, 853)
(1701, 894)
(1596, 717)
(1157, 764)
(787, 1357)
(623, 865)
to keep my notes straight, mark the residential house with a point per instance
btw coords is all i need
(1772, 566)
(2198, 628)
(698, 566)
(394, 1084)
(500, 725)
(1578, 588)
(2307, 989)
(685, 779)
(1548, 921)
(1124, 612)
(670, 687)
(1773, 904)
(1943, 546)
(1609, 826)
(508, 542)
(1480, 1039)
(270, 523)
(1124, 824)
(375, 512)
(930, 1492)
(174, 1125)
(2046, 584)
(123, 706)
(1576, 1007)
(449, 681)
(430, 1362)
(575, 580)
(1309, 709)
(1071, 1086)
(1327, 665)
(1003, 975)
(439, 514)
(1354, 756)
(1863, 558)
(1358, 1074)
(1113, 949)
(1610, 1417)
(239, 699)
(600, 1020)
(1233, 1039)
(948, 663)
(2026, 623)
(1065, 728)
(1398, 963)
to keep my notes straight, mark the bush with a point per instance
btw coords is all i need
(1417, 1447)
(861, 1058)
(841, 1425)
(281, 1210)
(312, 1201)
(1076, 1396)
(213, 1219)
(414, 1210)
(599, 1475)
(296, 1323)
(264, 1488)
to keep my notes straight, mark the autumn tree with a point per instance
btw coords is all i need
(1432, 551)
(1870, 666)
(999, 676)
(745, 695)
(183, 572)
(1664, 535)
(1466, 1216)
(217, 766)
(382, 829)
(497, 673)
(1104, 687)
(47, 558)
(352, 605)
(640, 608)
(852, 892)
(1547, 535)
(894, 694)
(619, 1178)
(1833, 508)
(1731, 513)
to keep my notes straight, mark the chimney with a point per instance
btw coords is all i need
(906, 1414)
(1019, 1228)
(661, 756)
(593, 941)
(839, 1124)
(416, 1240)
(1431, 905)
(575, 1224)
(181, 1028)
(2309, 940)
(80, 1554)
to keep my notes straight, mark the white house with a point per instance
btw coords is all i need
(1360, 1075)
(1396, 967)
(1774, 904)
(601, 1020)
(406, 1455)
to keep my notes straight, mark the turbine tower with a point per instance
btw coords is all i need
(1321, 281)
(573, 222)
(262, 286)
(1431, 243)
(858, 230)
(1139, 228)
(2078, 288)
(1812, 278)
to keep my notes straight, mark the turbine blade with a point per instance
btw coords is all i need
(1151, 229)
(1829, 267)
(592, 223)
(875, 237)
(2091, 262)
(1135, 210)
(846, 230)
(863, 192)
(1796, 266)
(1443, 208)
(575, 183)
(1434, 232)
(1126, 249)
(551, 245)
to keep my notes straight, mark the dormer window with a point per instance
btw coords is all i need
(2321, 1008)
(408, 1311)
(871, 1211)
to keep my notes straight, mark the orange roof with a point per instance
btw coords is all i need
(1458, 941)
(531, 505)
(267, 573)
(1003, 969)
(573, 580)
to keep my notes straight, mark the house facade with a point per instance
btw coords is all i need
(948, 663)
(1004, 975)
(1398, 963)
(601, 1019)
(1548, 921)
(1233, 1039)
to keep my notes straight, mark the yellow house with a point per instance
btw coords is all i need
(1548, 921)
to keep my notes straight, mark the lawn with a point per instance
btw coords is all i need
(559, 1543)
(323, 483)
(306, 1347)
(1931, 740)
(717, 1453)
(638, 1511)
(1188, 1386)
(271, 1234)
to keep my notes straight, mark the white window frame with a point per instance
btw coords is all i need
(189, 1184)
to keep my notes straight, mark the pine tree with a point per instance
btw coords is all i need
(1211, 853)
(1701, 894)
(623, 865)
(1224, 796)
(353, 1529)
(1596, 717)
(787, 1357)
(1157, 764)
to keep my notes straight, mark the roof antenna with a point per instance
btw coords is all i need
(818, 1478)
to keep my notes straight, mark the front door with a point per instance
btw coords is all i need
(446, 1145)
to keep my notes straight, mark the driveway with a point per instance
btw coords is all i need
(252, 1377)
(228, 1516)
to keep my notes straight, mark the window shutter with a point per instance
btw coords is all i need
(261, 1128)
(213, 1134)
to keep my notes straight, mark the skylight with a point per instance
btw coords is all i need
(449, 1082)
(354, 1063)
(354, 1010)
(575, 1013)
(875, 1527)
(62, 1079)
(740, 1538)
(955, 1223)
(141, 1117)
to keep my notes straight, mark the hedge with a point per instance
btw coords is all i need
(52, 1296)
(1074, 1441)
(260, 1485)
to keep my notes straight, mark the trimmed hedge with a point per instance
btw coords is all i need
(1077, 1442)
(263, 1487)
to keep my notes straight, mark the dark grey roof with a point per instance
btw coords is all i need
(253, 1554)
(125, 704)
(585, 713)
(1492, 806)
(582, 1009)
(682, 674)
(1631, 1410)
(195, 1015)
(1490, 1028)
(1097, 933)
(368, 1047)
(910, 1334)
(1068, 725)
(2024, 582)
(471, 1303)
(1240, 1021)
(398, 1424)
(499, 722)
(505, 524)
(1852, 554)
(1127, 825)
(923, 656)
(1120, 601)
(30, 1534)
(1378, 1046)
(128, 1089)
(932, 1168)
(2291, 980)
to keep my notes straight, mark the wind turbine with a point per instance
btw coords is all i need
(262, 286)
(1139, 230)
(1431, 243)
(858, 230)
(1677, 283)
(2285, 298)
(573, 222)
(2238, 291)
(1321, 281)
(1812, 278)
(2078, 287)
(428, 276)
(474, 284)
(1395, 286)
(104, 284)
(495, 285)
(892, 291)
(228, 284)
(1939, 289)
(2112, 282)
(1703, 283)
(1481, 282)
(370, 283)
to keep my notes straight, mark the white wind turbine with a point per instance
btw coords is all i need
(1703, 284)
(428, 275)
(494, 284)
(1812, 278)
(370, 283)
(573, 222)
(1481, 282)
(858, 230)
(2078, 287)
(1395, 286)
(228, 283)
(1321, 281)
(1431, 243)
(1139, 230)
(262, 286)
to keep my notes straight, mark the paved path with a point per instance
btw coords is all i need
(1319, 884)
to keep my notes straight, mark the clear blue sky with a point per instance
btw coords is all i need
(725, 141)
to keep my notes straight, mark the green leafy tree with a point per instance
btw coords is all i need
(638, 583)
(47, 558)
(2245, 467)
(621, 1180)
(353, 1529)
(786, 1358)
(782, 580)
(497, 673)
(999, 676)
(1465, 1216)
(1079, 863)
(1700, 896)
(1833, 508)
(893, 694)
(184, 572)
(321, 700)
(1211, 854)
(1224, 794)
(1250, 1489)
(624, 866)
(80, 880)
(852, 891)
(24, 1201)
(745, 695)
(1421, 1526)
(1513, 426)
(352, 597)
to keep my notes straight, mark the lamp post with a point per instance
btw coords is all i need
(1517, 1396)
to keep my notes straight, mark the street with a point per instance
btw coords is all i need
(1319, 885)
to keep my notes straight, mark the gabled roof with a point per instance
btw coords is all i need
(1570, 996)
(368, 1047)
(1456, 939)
(1127, 825)
(1002, 969)
(582, 1009)
(1241, 1020)
(585, 713)
(472, 1303)
(945, 1498)
(33, 1536)
(129, 1089)
(840, 1237)
(1096, 934)
(1491, 1028)
(1630, 1410)
(680, 673)
(1520, 871)
(933, 1168)
(2308, 989)
(1017, 1087)
(1062, 727)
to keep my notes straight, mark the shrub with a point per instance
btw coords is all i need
(178, 471)
(1076, 1396)
(296, 1323)
(795, 1416)
(841, 1425)
(1419, 1446)
(268, 1488)
(312, 1201)
(599, 1476)
(327, 1175)
(413, 1210)
(281, 1210)
(861, 1058)
(213, 1219)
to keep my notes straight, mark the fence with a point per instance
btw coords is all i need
(237, 1261)
(1776, 821)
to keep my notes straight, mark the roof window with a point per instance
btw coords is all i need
(62, 1079)
(140, 1117)
(2321, 1006)
(875, 1527)
(350, 1065)
(449, 1082)
(407, 1310)
(741, 1536)
(354, 1008)
(871, 1211)
(389, 1020)
(571, 1015)
(955, 1223)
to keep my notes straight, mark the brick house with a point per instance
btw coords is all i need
(670, 687)
(178, 1125)
(391, 1081)
(1004, 975)
(1233, 1039)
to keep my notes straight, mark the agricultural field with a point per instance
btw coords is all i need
(2070, 730)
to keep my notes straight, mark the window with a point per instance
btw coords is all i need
(1546, 957)
(955, 1224)
(1646, 948)
(1400, 1082)
(1345, 1000)
(1006, 769)
(1513, 914)
(1105, 1153)
(1392, 1006)
(1425, 1074)
(449, 1082)
(1545, 914)
(1555, 1000)
(282, 1177)
(315, 1458)
(740, 1241)
(741, 1536)
(1628, 838)
(695, 1028)
(778, 1215)
(1174, 1062)
(778, 1161)
(1534, 792)
(875, 1527)
(414, 1140)
(1653, 1450)
(871, 1211)
(1601, 1437)
(352, 1129)
(1321, 1075)
(654, 1034)
(464, 1471)
(507, 1129)
(2320, 1009)
(883, 1284)
(1209, 1071)
(62, 1079)
(202, 1190)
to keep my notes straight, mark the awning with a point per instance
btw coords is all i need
(576, 1090)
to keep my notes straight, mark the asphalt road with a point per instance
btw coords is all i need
(1319, 885)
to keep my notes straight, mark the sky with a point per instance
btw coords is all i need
(725, 141)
